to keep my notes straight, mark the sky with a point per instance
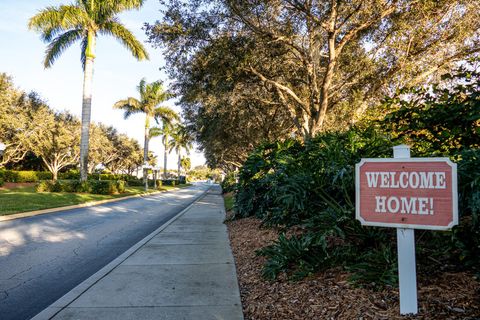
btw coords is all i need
(116, 72)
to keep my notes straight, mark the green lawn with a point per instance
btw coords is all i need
(24, 199)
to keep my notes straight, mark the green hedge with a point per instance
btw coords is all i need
(107, 186)
(140, 183)
(135, 182)
(75, 174)
(36, 176)
(170, 182)
(91, 186)
(24, 176)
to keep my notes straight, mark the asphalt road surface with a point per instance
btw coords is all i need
(44, 257)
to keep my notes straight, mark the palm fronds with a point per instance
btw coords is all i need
(60, 44)
(121, 33)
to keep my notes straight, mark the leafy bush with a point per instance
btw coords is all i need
(24, 176)
(228, 184)
(309, 188)
(375, 268)
(91, 186)
(170, 182)
(44, 186)
(135, 182)
(442, 120)
(182, 180)
(69, 175)
(103, 186)
(43, 175)
(121, 184)
(1, 182)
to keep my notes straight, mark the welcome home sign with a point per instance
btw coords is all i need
(418, 193)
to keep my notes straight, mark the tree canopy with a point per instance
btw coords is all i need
(30, 128)
(301, 67)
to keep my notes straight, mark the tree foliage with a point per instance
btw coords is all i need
(32, 131)
(442, 119)
(18, 116)
(248, 71)
(308, 188)
(83, 21)
(57, 140)
(151, 96)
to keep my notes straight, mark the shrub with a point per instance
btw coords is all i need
(135, 183)
(103, 186)
(24, 176)
(69, 175)
(44, 175)
(1, 182)
(8, 175)
(28, 176)
(228, 184)
(120, 186)
(44, 186)
(170, 182)
(182, 180)
(91, 186)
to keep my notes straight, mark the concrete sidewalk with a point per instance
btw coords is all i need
(184, 270)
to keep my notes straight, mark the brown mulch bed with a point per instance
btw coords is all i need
(12, 185)
(328, 295)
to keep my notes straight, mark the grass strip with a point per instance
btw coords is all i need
(24, 199)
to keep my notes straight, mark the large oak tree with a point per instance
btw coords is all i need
(315, 58)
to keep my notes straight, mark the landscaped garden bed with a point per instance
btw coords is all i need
(329, 294)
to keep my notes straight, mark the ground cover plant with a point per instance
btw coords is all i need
(306, 190)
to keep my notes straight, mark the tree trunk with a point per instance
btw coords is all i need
(317, 122)
(54, 174)
(179, 164)
(145, 145)
(86, 105)
(165, 159)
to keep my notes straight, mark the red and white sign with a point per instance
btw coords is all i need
(418, 193)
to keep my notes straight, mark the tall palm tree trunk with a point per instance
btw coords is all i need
(165, 160)
(145, 149)
(179, 164)
(86, 106)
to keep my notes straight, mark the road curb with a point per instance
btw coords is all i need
(76, 292)
(76, 206)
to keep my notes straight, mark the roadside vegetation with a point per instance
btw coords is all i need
(303, 197)
(26, 198)
(229, 201)
(284, 98)
(42, 147)
(83, 21)
(307, 189)
(287, 96)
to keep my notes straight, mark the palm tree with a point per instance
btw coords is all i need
(165, 131)
(83, 21)
(151, 95)
(181, 139)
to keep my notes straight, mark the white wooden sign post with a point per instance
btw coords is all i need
(407, 193)
(407, 272)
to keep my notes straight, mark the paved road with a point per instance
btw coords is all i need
(44, 257)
